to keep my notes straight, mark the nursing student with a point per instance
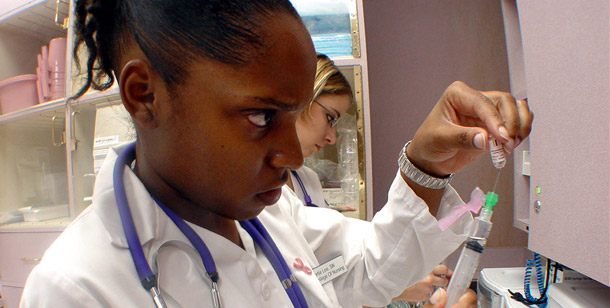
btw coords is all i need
(194, 213)
(315, 128)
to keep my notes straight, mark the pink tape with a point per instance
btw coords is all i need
(474, 205)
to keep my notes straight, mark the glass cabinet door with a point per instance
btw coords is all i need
(332, 25)
(33, 174)
(99, 122)
(33, 177)
(337, 30)
(341, 166)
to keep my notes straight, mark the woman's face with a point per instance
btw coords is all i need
(315, 131)
(231, 138)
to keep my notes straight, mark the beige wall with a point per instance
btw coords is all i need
(18, 54)
(415, 50)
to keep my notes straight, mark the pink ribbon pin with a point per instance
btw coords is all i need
(298, 263)
(474, 205)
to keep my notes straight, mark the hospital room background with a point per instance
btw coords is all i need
(551, 226)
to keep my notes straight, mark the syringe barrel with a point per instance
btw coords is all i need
(468, 261)
(464, 270)
(481, 227)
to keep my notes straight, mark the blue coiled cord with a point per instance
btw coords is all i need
(541, 279)
(536, 262)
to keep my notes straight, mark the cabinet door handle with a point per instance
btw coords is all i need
(73, 141)
(65, 24)
(24, 259)
(53, 138)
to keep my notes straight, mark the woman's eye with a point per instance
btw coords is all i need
(261, 118)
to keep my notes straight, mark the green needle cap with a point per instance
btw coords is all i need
(491, 198)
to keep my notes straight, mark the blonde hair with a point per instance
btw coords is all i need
(329, 81)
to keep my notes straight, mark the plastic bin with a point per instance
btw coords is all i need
(17, 93)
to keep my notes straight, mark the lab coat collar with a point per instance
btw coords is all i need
(146, 214)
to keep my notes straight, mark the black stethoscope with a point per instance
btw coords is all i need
(149, 280)
(306, 196)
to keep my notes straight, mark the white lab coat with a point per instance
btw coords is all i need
(89, 265)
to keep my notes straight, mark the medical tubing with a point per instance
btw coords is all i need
(133, 242)
(265, 242)
(468, 260)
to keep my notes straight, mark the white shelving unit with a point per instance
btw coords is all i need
(36, 18)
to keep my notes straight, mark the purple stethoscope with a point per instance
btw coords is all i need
(149, 280)
(306, 196)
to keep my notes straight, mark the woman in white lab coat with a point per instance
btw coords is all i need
(214, 89)
(315, 128)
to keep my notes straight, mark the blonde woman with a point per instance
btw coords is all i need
(316, 127)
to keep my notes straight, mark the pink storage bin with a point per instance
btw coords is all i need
(18, 92)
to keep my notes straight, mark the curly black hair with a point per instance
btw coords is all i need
(171, 33)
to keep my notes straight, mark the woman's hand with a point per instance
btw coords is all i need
(439, 298)
(456, 130)
(421, 291)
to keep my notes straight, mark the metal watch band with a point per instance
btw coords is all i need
(418, 176)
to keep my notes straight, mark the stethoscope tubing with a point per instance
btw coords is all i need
(265, 242)
(253, 226)
(191, 235)
(133, 241)
(147, 278)
(306, 196)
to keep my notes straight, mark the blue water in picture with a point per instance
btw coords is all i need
(333, 44)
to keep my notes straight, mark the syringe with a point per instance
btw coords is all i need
(474, 245)
(471, 252)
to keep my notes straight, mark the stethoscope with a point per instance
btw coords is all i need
(306, 196)
(149, 280)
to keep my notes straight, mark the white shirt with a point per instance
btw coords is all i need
(89, 265)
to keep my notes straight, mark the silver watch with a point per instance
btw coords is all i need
(414, 174)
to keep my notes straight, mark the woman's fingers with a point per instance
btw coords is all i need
(507, 107)
(472, 106)
(527, 118)
(468, 300)
(440, 275)
(457, 129)
(439, 298)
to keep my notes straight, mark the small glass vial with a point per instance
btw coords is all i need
(497, 153)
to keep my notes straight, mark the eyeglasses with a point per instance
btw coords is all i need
(332, 119)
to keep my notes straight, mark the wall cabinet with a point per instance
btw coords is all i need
(563, 67)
